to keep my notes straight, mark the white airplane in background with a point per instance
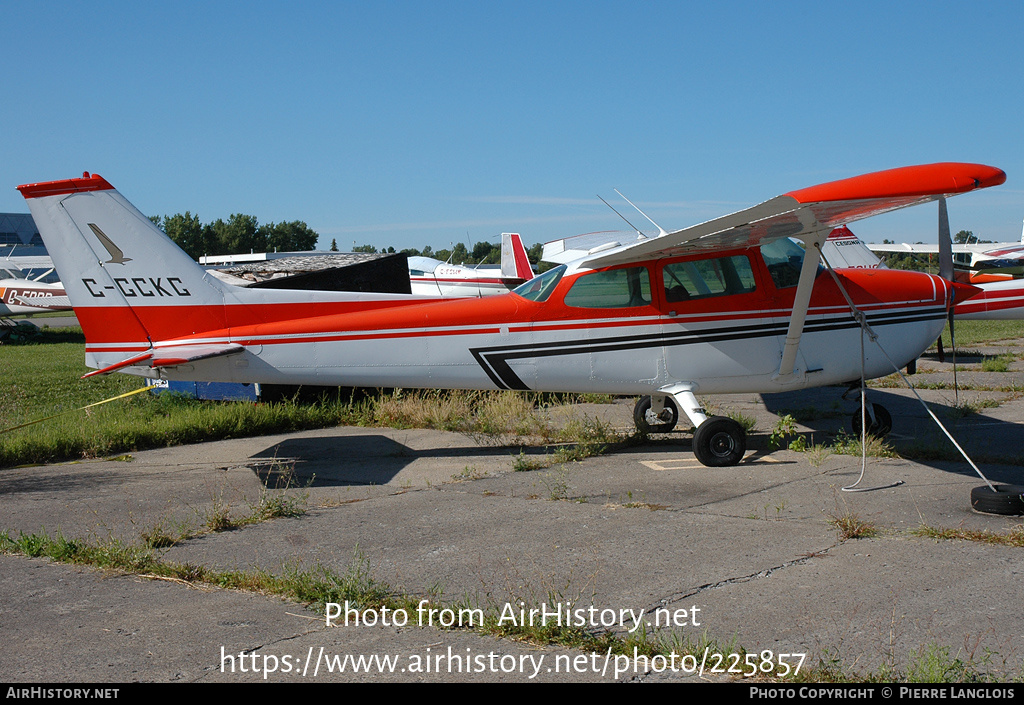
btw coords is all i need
(431, 277)
(1001, 299)
(729, 305)
(977, 263)
(20, 295)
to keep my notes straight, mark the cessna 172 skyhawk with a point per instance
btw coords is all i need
(729, 305)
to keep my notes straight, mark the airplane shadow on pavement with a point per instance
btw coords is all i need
(993, 443)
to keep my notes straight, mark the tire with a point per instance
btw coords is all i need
(881, 425)
(647, 422)
(1007, 499)
(719, 442)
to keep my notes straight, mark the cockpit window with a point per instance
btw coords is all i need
(540, 287)
(615, 288)
(784, 259)
(699, 279)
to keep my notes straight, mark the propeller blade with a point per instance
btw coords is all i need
(946, 272)
(945, 243)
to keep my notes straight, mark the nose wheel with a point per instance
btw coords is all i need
(879, 421)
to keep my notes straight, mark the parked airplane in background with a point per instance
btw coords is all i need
(20, 295)
(978, 263)
(431, 277)
(729, 305)
(1002, 299)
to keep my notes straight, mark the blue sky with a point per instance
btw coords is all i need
(416, 123)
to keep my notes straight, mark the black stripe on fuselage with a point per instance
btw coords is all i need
(495, 360)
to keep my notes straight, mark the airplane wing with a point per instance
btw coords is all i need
(808, 214)
(918, 248)
(811, 213)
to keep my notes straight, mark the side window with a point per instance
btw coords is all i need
(784, 259)
(700, 279)
(616, 288)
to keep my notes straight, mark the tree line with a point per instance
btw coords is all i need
(237, 235)
(482, 253)
(242, 234)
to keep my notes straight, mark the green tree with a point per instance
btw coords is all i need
(334, 244)
(188, 233)
(240, 234)
(295, 236)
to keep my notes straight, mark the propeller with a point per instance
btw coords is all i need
(946, 272)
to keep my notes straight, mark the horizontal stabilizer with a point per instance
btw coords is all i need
(171, 356)
(182, 354)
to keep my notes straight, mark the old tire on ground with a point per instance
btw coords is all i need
(647, 422)
(1007, 499)
(719, 442)
(879, 427)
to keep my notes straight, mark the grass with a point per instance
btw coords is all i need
(977, 332)
(845, 444)
(850, 526)
(1014, 537)
(320, 586)
(999, 363)
(42, 379)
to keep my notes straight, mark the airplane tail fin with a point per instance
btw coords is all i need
(514, 262)
(843, 249)
(130, 285)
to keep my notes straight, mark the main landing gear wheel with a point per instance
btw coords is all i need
(647, 422)
(719, 442)
(1007, 499)
(879, 426)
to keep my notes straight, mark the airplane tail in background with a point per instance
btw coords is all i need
(514, 262)
(843, 249)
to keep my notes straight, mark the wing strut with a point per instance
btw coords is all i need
(801, 302)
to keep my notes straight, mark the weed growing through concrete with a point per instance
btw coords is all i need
(320, 585)
(526, 463)
(851, 526)
(1013, 537)
(784, 429)
(1000, 363)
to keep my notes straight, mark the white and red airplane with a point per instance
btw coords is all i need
(432, 277)
(1000, 299)
(21, 295)
(729, 305)
(977, 263)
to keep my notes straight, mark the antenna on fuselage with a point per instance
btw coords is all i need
(638, 232)
(661, 230)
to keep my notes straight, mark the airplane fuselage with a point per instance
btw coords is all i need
(585, 336)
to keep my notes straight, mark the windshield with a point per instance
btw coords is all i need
(784, 259)
(11, 274)
(539, 288)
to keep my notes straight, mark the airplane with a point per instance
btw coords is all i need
(20, 295)
(431, 277)
(726, 306)
(975, 263)
(1001, 299)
